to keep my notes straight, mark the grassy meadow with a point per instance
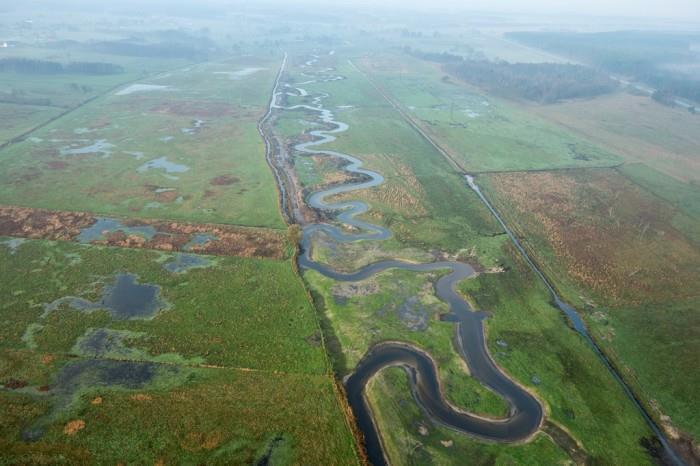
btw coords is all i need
(134, 356)
(178, 415)
(480, 132)
(217, 374)
(423, 201)
(528, 337)
(411, 438)
(587, 228)
(637, 128)
(219, 314)
(119, 154)
(620, 243)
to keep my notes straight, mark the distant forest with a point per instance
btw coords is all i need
(641, 55)
(539, 82)
(157, 50)
(31, 66)
(160, 44)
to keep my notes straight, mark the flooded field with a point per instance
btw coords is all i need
(86, 228)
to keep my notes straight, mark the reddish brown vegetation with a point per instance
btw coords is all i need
(611, 236)
(169, 195)
(46, 224)
(224, 180)
(195, 441)
(47, 359)
(171, 236)
(194, 108)
(56, 165)
(14, 384)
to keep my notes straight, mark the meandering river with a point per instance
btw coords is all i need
(525, 411)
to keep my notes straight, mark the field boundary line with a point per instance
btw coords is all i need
(21, 137)
(640, 402)
(410, 121)
(288, 217)
(73, 356)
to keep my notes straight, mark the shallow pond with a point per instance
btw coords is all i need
(101, 146)
(183, 262)
(105, 225)
(124, 299)
(141, 88)
(199, 239)
(236, 75)
(162, 163)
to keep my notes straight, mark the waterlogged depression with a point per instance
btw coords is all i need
(124, 298)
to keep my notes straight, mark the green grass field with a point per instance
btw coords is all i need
(61, 92)
(587, 228)
(179, 415)
(421, 199)
(135, 356)
(200, 128)
(481, 132)
(578, 391)
(635, 127)
(17, 119)
(231, 360)
(631, 234)
(400, 305)
(411, 438)
(221, 314)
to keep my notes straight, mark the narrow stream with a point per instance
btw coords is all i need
(525, 412)
(669, 454)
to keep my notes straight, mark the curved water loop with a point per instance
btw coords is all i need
(525, 412)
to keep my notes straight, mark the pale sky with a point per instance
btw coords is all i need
(685, 10)
(677, 9)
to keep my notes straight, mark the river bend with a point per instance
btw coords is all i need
(525, 412)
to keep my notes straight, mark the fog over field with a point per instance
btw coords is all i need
(687, 10)
(350, 232)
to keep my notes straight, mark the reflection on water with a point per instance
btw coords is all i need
(162, 163)
(141, 88)
(101, 146)
(104, 226)
(123, 299)
(240, 74)
(183, 262)
(525, 413)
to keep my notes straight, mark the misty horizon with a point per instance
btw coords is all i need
(683, 11)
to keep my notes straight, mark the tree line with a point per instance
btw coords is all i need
(641, 55)
(33, 66)
(539, 82)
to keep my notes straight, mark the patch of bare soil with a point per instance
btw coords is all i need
(73, 427)
(226, 240)
(352, 289)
